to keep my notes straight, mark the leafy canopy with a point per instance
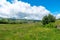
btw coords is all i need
(48, 19)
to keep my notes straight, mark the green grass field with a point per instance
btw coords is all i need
(28, 32)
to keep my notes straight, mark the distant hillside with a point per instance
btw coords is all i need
(13, 21)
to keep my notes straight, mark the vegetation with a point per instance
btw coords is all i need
(33, 31)
(16, 21)
(48, 19)
(15, 29)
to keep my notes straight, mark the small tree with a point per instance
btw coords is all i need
(47, 19)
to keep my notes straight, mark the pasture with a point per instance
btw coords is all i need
(33, 31)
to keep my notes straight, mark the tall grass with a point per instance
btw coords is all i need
(33, 31)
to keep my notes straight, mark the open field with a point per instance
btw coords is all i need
(28, 32)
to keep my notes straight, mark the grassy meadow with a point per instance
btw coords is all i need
(30, 31)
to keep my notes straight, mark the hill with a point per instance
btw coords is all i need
(16, 21)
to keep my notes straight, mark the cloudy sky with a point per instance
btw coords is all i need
(29, 9)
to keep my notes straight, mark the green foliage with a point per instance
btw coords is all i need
(16, 21)
(31, 31)
(48, 18)
(50, 25)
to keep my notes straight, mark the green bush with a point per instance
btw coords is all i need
(50, 25)
(48, 19)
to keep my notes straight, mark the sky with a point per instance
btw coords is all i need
(29, 9)
(52, 5)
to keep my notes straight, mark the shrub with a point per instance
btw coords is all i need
(48, 19)
(50, 25)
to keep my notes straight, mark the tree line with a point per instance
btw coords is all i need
(45, 20)
(16, 21)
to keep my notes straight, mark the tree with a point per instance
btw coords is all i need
(48, 19)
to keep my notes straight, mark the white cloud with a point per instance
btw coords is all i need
(22, 10)
(57, 16)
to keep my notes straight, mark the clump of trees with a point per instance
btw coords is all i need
(48, 19)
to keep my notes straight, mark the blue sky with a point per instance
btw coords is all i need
(52, 5)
